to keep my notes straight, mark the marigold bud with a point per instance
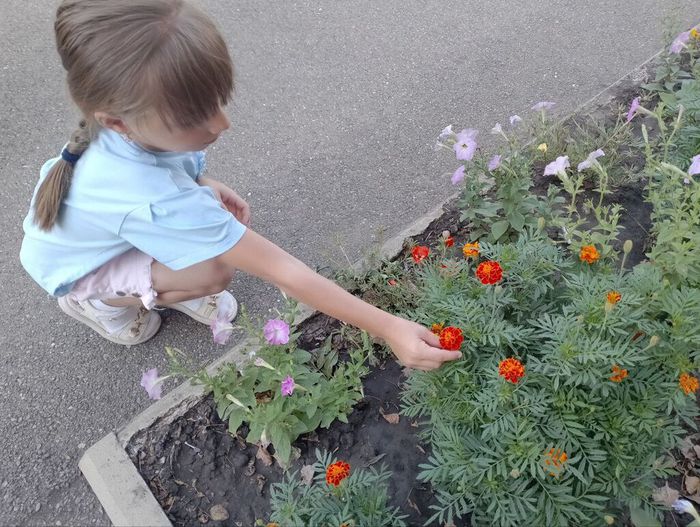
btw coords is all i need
(610, 520)
(540, 223)
(654, 340)
(627, 247)
(515, 473)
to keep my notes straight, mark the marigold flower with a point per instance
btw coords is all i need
(688, 383)
(489, 272)
(449, 241)
(614, 297)
(337, 472)
(420, 253)
(618, 373)
(437, 328)
(589, 254)
(471, 250)
(511, 369)
(451, 338)
(554, 460)
(273, 524)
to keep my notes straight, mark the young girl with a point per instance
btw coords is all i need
(124, 219)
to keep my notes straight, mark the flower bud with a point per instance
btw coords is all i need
(542, 148)
(260, 362)
(654, 340)
(445, 235)
(540, 223)
(609, 306)
(610, 520)
(515, 473)
(627, 247)
(235, 401)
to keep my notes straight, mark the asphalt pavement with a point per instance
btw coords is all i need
(336, 112)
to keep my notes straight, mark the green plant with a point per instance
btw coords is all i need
(357, 500)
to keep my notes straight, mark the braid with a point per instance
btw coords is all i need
(54, 188)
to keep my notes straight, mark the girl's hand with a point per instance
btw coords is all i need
(231, 201)
(417, 347)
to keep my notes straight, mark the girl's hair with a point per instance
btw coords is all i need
(134, 58)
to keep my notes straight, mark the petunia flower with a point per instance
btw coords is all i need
(262, 363)
(152, 383)
(465, 144)
(458, 176)
(221, 330)
(679, 43)
(446, 133)
(497, 129)
(494, 163)
(588, 162)
(694, 168)
(633, 109)
(287, 386)
(543, 105)
(514, 119)
(681, 506)
(276, 331)
(558, 166)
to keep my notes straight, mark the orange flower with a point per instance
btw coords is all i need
(451, 338)
(337, 472)
(589, 254)
(449, 241)
(618, 373)
(614, 297)
(471, 250)
(420, 253)
(489, 272)
(437, 328)
(511, 370)
(273, 524)
(554, 460)
(688, 383)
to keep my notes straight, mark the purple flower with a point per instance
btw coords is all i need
(494, 163)
(458, 176)
(557, 166)
(446, 133)
(633, 109)
(583, 165)
(681, 506)
(679, 42)
(465, 146)
(288, 386)
(543, 105)
(497, 129)
(694, 166)
(221, 330)
(151, 383)
(514, 119)
(276, 331)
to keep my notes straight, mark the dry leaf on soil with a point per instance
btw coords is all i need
(665, 495)
(692, 484)
(307, 474)
(264, 456)
(218, 513)
(390, 418)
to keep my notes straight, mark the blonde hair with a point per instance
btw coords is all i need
(131, 58)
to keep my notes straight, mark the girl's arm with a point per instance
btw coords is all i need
(414, 345)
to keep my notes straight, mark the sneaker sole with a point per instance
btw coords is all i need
(69, 309)
(199, 318)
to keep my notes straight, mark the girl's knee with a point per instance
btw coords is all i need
(220, 277)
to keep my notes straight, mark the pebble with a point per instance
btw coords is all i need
(37, 507)
(218, 513)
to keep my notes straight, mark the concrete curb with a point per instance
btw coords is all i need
(114, 479)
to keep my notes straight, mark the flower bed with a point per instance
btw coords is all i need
(578, 369)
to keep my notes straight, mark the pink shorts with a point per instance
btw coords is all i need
(128, 274)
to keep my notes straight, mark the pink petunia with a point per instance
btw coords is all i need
(543, 105)
(276, 331)
(458, 176)
(633, 109)
(465, 144)
(588, 162)
(558, 166)
(151, 383)
(287, 386)
(679, 42)
(694, 168)
(221, 330)
(494, 163)
(446, 133)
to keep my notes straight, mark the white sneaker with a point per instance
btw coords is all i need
(204, 309)
(127, 326)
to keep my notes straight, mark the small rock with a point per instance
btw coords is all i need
(37, 507)
(81, 445)
(218, 513)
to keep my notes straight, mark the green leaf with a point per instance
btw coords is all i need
(282, 443)
(517, 221)
(643, 518)
(499, 228)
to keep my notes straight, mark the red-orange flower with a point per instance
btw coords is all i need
(511, 370)
(489, 272)
(471, 250)
(451, 338)
(618, 373)
(554, 460)
(337, 472)
(589, 254)
(420, 253)
(392, 282)
(449, 241)
(688, 383)
(614, 297)
(437, 328)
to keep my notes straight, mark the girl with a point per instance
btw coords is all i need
(124, 218)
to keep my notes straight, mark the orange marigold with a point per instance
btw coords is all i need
(337, 472)
(618, 373)
(554, 460)
(420, 253)
(614, 297)
(471, 250)
(589, 254)
(688, 383)
(449, 241)
(489, 272)
(511, 370)
(451, 338)
(437, 328)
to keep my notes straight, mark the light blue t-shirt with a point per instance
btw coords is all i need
(122, 196)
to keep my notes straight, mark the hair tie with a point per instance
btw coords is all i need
(70, 157)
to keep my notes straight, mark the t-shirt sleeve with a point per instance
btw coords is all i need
(183, 229)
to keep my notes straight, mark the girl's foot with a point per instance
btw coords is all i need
(127, 326)
(204, 309)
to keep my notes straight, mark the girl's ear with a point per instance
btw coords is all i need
(113, 123)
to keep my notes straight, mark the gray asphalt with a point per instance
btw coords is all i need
(337, 108)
